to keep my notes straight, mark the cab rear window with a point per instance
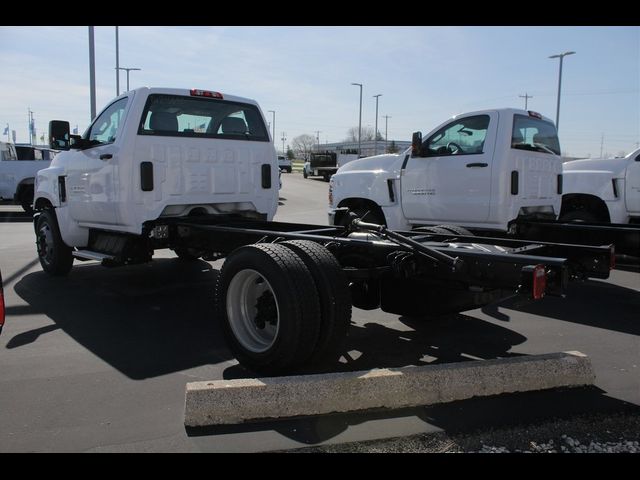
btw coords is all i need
(530, 133)
(180, 116)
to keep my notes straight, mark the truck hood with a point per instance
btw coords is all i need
(613, 166)
(388, 163)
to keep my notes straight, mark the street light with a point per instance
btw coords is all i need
(375, 134)
(360, 120)
(274, 125)
(560, 56)
(128, 70)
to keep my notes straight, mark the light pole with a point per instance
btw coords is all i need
(560, 56)
(92, 74)
(117, 65)
(274, 124)
(128, 70)
(360, 120)
(386, 141)
(375, 133)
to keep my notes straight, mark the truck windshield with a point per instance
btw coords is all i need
(530, 133)
(181, 116)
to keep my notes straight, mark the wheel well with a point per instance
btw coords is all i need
(589, 203)
(41, 204)
(361, 204)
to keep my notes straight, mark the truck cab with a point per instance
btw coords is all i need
(482, 170)
(156, 153)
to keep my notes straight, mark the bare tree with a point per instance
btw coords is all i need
(367, 134)
(303, 145)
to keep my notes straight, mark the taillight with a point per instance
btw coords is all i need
(533, 281)
(539, 282)
(205, 93)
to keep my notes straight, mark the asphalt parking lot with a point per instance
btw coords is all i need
(98, 361)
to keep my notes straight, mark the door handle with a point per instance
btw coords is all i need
(106, 156)
(473, 165)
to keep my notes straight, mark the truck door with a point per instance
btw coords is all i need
(632, 186)
(451, 182)
(92, 182)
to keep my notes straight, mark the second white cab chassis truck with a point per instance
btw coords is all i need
(196, 171)
(496, 173)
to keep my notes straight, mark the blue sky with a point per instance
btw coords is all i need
(425, 75)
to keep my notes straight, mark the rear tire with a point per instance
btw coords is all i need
(267, 302)
(335, 301)
(55, 256)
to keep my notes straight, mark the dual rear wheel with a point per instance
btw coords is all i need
(284, 307)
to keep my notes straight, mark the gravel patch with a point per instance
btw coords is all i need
(597, 433)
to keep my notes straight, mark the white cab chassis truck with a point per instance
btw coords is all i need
(17, 177)
(602, 189)
(196, 171)
(492, 172)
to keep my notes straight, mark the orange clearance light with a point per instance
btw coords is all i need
(205, 93)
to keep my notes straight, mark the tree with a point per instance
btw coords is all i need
(303, 145)
(290, 154)
(367, 134)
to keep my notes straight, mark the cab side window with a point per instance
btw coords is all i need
(465, 136)
(105, 127)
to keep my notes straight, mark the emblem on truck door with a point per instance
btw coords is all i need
(422, 191)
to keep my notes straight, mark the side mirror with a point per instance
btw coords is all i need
(416, 144)
(59, 135)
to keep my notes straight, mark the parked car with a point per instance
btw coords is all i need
(284, 163)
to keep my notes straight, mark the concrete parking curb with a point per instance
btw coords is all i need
(237, 401)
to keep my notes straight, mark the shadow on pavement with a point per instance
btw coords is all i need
(586, 304)
(16, 217)
(144, 320)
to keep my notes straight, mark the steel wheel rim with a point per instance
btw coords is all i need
(246, 289)
(45, 240)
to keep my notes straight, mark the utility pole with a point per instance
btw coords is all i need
(92, 74)
(526, 97)
(318, 139)
(386, 143)
(601, 144)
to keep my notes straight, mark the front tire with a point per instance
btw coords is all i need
(268, 305)
(55, 256)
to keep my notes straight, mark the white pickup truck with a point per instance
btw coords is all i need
(196, 171)
(602, 190)
(484, 170)
(17, 175)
